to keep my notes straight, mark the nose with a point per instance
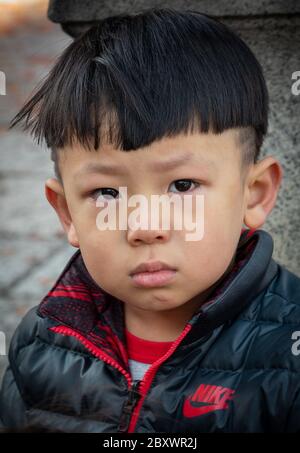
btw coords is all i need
(147, 236)
(149, 226)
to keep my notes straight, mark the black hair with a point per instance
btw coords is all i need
(133, 79)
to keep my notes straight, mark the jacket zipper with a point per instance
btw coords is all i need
(138, 389)
(145, 383)
(128, 408)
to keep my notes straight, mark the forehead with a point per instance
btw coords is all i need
(207, 150)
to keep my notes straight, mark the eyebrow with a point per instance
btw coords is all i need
(159, 166)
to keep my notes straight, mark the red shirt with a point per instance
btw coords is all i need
(145, 351)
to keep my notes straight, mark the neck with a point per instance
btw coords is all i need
(163, 325)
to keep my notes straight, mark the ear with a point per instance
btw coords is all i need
(262, 188)
(55, 195)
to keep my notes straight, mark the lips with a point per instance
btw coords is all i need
(152, 266)
(153, 274)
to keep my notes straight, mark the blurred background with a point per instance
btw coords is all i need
(33, 33)
(33, 248)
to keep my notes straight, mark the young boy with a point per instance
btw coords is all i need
(144, 330)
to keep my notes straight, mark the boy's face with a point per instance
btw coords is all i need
(110, 256)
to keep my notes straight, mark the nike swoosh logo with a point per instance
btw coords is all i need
(190, 410)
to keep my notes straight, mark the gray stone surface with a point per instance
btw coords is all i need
(276, 45)
(89, 10)
(33, 249)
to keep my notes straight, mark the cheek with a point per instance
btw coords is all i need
(100, 260)
(211, 255)
(207, 260)
(223, 211)
(215, 247)
(100, 244)
(89, 230)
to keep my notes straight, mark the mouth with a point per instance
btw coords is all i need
(153, 274)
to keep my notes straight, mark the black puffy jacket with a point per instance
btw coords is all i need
(234, 368)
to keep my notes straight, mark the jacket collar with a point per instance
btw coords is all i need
(75, 300)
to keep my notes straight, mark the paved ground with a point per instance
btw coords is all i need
(32, 245)
(33, 249)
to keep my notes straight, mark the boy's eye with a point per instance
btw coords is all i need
(107, 193)
(183, 185)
